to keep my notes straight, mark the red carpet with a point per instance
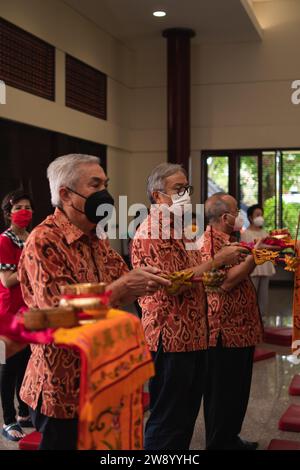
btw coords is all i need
(146, 401)
(278, 444)
(31, 441)
(290, 420)
(294, 388)
(261, 354)
(281, 336)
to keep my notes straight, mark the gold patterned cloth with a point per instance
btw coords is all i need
(115, 363)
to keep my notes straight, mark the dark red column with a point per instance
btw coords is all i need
(179, 94)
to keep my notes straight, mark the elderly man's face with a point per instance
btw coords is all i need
(92, 179)
(173, 184)
(228, 219)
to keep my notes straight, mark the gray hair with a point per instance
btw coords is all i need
(65, 171)
(156, 180)
(215, 206)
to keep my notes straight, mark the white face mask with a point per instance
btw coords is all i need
(259, 221)
(178, 201)
(238, 224)
(181, 204)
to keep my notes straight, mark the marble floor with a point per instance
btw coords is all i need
(269, 397)
(269, 393)
(268, 401)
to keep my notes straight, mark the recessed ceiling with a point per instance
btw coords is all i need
(212, 20)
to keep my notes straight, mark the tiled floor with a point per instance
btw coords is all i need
(268, 401)
(269, 393)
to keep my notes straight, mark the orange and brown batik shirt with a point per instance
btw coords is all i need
(235, 314)
(180, 319)
(58, 253)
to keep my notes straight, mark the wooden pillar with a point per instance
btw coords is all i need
(179, 94)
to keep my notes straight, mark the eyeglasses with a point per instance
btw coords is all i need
(235, 214)
(185, 189)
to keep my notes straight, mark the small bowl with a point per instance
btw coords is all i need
(82, 289)
(90, 305)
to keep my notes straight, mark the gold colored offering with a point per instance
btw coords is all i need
(82, 289)
(262, 256)
(179, 279)
(60, 317)
(90, 305)
(213, 280)
(291, 263)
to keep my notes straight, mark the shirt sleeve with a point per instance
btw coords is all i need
(206, 249)
(118, 263)
(43, 267)
(8, 260)
(156, 253)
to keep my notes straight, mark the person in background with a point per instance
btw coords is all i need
(17, 211)
(234, 329)
(175, 325)
(261, 274)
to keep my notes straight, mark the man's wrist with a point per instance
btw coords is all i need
(118, 289)
(217, 261)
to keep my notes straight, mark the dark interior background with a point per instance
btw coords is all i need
(25, 154)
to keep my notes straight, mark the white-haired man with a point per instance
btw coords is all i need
(175, 325)
(65, 249)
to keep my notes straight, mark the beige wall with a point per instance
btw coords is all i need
(241, 93)
(70, 33)
(135, 129)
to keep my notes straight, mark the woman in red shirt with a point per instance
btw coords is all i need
(17, 211)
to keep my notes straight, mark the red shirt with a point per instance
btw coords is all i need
(234, 314)
(179, 319)
(11, 246)
(57, 253)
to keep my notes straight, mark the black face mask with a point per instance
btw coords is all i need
(92, 204)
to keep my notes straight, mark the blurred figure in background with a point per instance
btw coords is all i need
(17, 212)
(261, 274)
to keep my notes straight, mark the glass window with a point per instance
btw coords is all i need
(290, 189)
(217, 174)
(248, 181)
(269, 199)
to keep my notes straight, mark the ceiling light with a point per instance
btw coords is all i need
(159, 13)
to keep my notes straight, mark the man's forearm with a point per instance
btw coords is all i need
(207, 266)
(238, 273)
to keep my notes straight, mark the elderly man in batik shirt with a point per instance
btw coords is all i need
(234, 329)
(64, 249)
(175, 325)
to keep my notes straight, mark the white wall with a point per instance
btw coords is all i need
(61, 26)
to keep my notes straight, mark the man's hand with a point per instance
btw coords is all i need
(136, 283)
(231, 254)
(259, 244)
(144, 281)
